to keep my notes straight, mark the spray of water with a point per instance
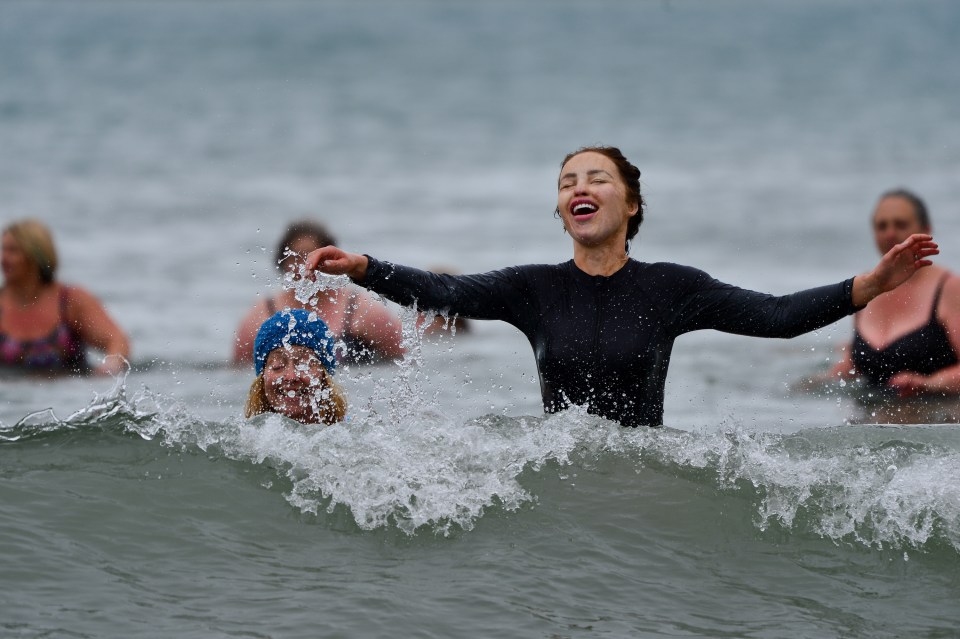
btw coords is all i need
(416, 468)
(307, 285)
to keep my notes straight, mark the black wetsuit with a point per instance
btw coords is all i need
(605, 342)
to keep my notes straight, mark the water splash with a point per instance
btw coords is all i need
(103, 406)
(889, 487)
(308, 285)
(418, 469)
(427, 471)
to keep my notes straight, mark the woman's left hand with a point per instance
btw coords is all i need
(909, 384)
(895, 268)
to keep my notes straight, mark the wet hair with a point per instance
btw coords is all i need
(332, 410)
(36, 241)
(303, 228)
(629, 175)
(919, 207)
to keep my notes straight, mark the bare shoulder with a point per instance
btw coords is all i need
(363, 299)
(247, 330)
(369, 308)
(950, 297)
(255, 316)
(261, 310)
(78, 299)
(951, 284)
(358, 295)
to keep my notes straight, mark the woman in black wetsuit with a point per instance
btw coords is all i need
(908, 339)
(602, 325)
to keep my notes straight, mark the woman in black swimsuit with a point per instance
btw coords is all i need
(908, 339)
(602, 325)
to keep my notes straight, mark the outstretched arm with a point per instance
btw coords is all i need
(819, 380)
(896, 267)
(91, 322)
(713, 304)
(501, 295)
(374, 324)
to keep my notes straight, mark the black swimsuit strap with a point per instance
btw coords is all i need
(933, 308)
(271, 306)
(936, 295)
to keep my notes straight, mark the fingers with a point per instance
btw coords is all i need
(919, 246)
(916, 240)
(319, 256)
(333, 261)
(907, 384)
(922, 252)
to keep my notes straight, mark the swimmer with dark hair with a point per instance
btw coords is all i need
(907, 340)
(365, 327)
(602, 325)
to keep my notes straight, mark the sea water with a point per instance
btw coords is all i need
(167, 145)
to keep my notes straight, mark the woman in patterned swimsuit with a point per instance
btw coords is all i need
(908, 339)
(46, 326)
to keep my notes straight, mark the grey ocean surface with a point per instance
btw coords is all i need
(167, 144)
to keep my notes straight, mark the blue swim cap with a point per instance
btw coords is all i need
(294, 326)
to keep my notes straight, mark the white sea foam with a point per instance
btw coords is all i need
(887, 490)
(415, 467)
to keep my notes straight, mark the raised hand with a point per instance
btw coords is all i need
(895, 267)
(334, 261)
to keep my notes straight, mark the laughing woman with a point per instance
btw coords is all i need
(294, 361)
(602, 325)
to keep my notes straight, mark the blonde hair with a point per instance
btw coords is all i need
(37, 242)
(332, 410)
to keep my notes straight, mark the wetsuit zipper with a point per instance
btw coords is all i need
(595, 371)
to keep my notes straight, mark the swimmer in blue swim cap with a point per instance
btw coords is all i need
(294, 360)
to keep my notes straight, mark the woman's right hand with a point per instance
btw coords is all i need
(334, 261)
(895, 268)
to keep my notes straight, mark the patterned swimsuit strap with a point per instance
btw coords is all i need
(62, 298)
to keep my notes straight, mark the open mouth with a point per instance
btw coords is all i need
(580, 208)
